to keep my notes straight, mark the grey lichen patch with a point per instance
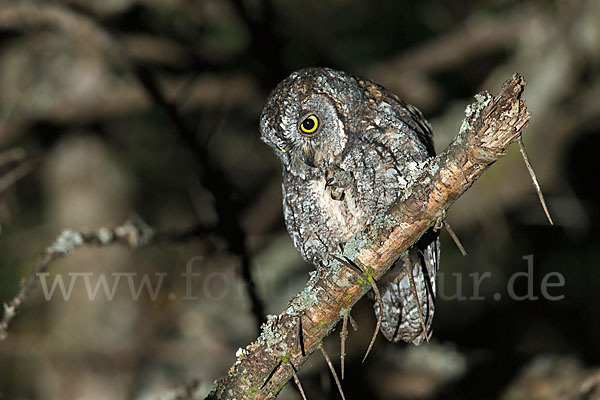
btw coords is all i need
(307, 297)
(66, 242)
(482, 97)
(382, 223)
(473, 111)
(272, 339)
(105, 236)
(344, 282)
(345, 311)
(353, 247)
(283, 353)
(240, 354)
(9, 310)
(136, 232)
(432, 166)
(482, 100)
(269, 335)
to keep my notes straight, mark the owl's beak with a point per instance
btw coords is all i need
(308, 161)
(307, 155)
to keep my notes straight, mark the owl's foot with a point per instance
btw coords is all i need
(338, 181)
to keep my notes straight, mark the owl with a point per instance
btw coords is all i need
(346, 146)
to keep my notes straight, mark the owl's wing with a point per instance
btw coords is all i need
(400, 319)
(401, 135)
(415, 119)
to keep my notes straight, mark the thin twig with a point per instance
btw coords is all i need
(18, 173)
(363, 273)
(216, 181)
(343, 337)
(534, 179)
(12, 155)
(353, 323)
(7, 117)
(379, 317)
(332, 369)
(455, 238)
(297, 381)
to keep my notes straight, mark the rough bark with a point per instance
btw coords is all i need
(266, 365)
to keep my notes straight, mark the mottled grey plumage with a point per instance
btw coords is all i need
(353, 166)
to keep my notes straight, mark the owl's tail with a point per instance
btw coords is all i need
(407, 308)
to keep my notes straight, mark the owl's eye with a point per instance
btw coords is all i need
(310, 124)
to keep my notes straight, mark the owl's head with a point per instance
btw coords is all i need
(307, 116)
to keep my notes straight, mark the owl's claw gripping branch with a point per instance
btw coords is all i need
(490, 126)
(338, 181)
(363, 272)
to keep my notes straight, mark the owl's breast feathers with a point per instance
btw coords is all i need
(317, 222)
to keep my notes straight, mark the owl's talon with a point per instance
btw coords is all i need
(337, 194)
(338, 182)
(440, 221)
(339, 179)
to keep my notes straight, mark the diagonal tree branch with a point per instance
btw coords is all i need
(266, 365)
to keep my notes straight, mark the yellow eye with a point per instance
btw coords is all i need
(310, 124)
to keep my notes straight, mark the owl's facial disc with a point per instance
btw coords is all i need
(305, 118)
(319, 133)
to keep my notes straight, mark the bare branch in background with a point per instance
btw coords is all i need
(12, 155)
(16, 174)
(466, 42)
(133, 233)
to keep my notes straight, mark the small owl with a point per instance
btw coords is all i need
(347, 145)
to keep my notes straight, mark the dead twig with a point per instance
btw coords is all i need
(12, 155)
(343, 337)
(301, 336)
(379, 317)
(455, 238)
(363, 272)
(353, 323)
(297, 381)
(332, 369)
(271, 374)
(18, 173)
(534, 179)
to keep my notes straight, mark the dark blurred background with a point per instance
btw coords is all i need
(110, 109)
